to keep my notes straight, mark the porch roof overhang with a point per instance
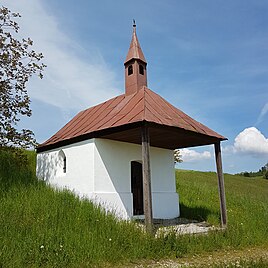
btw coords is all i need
(161, 136)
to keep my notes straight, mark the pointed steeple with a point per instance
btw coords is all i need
(135, 51)
(135, 66)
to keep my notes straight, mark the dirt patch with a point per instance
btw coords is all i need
(185, 228)
(180, 226)
(233, 258)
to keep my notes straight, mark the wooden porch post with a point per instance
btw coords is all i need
(147, 193)
(221, 184)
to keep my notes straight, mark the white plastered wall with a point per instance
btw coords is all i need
(100, 169)
(79, 167)
(113, 166)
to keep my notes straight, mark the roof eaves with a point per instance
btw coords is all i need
(87, 136)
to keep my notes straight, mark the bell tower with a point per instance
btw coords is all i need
(135, 66)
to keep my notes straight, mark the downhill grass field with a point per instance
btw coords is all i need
(43, 227)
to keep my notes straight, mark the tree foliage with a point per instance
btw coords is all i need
(18, 62)
(263, 171)
(177, 156)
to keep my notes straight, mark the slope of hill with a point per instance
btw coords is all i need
(42, 227)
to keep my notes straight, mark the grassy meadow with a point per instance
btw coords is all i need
(42, 227)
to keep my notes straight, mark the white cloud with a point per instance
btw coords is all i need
(194, 156)
(264, 111)
(71, 81)
(251, 141)
(229, 149)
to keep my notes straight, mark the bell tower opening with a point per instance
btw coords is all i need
(141, 69)
(135, 66)
(130, 70)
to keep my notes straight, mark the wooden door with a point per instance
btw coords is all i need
(137, 188)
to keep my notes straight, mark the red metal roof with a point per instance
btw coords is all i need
(126, 110)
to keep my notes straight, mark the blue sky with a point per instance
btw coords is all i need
(208, 58)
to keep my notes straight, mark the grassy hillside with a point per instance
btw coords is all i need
(42, 227)
(247, 205)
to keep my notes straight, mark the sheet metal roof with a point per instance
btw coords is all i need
(120, 118)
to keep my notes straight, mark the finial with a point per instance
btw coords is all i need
(134, 23)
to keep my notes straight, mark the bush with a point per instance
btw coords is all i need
(17, 167)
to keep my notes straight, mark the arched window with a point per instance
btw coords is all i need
(130, 70)
(141, 69)
(62, 168)
(64, 164)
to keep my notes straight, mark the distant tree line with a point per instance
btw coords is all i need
(263, 171)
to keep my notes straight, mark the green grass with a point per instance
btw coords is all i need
(246, 199)
(42, 227)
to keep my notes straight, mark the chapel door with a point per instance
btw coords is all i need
(137, 188)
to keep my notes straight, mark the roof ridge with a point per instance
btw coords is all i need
(197, 126)
(91, 107)
(176, 110)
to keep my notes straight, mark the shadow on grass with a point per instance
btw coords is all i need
(195, 213)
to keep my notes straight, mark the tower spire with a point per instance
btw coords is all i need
(135, 51)
(135, 66)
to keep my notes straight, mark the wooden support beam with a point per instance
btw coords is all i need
(221, 185)
(147, 193)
